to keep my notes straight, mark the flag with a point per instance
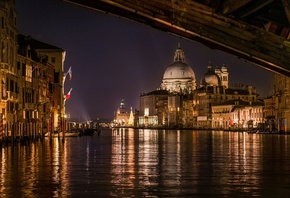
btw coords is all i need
(67, 96)
(69, 73)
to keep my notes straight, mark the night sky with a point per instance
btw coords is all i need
(114, 58)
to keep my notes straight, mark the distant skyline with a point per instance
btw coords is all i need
(114, 59)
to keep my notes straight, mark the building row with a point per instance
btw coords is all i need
(179, 102)
(31, 88)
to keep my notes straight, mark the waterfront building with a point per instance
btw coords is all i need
(122, 116)
(281, 102)
(153, 108)
(8, 69)
(214, 90)
(269, 107)
(237, 114)
(215, 104)
(41, 84)
(180, 110)
(165, 106)
(178, 103)
(270, 110)
(31, 98)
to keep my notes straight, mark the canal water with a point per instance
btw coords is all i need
(149, 163)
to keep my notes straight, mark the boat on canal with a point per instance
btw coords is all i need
(66, 134)
(267, 132)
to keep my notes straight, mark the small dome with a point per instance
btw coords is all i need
(210, 78)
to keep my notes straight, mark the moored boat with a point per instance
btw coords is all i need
(59, 134)
(267, 132)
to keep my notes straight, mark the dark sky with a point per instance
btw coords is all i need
(113, 58)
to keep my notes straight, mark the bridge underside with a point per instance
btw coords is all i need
(254, 30)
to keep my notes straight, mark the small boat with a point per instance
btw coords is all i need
(59, 134)
(71, 134)
(252, 131)
(267, 132)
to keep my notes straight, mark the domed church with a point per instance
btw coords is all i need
(179, 76)
(210, 78)
(215, 77)
(179, 103)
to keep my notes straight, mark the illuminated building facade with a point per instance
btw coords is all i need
(281, 102)
(214, 102)
(153, 108)
(41, 84)
(123, 117)
(179, 76)
(171, 104)
(178, 103)
(238, 113)
(31, 98)
(9, 73)
(270, 113)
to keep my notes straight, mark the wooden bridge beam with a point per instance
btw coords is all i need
(200, 23)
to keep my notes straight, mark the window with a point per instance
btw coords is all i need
(2, 22)
(23, 69)
(146, 111)
(52, 59)
(16, 88)
(28, 73)
(56, 77)
(51, 88)
(11, 85)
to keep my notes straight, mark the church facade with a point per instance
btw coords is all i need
(179, 102)
(122, 116)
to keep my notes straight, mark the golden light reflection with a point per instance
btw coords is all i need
(31, 168)
(135, 153)
(178, 162)
(2, 171)
(241, 157)
(147, 157)
(57, 159)
(122, 159)
(147, 162)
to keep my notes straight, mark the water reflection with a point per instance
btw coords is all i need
(33, 169)
(148, 163)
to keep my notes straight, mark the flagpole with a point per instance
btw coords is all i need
(65, 96)
(65, 74)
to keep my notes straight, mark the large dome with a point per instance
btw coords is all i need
(179, 77)
(178, 70)
(210, 78)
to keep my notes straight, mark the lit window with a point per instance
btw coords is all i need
(146, 112)
(28, 76)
